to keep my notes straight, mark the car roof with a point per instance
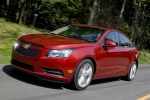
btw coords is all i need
(95, 26)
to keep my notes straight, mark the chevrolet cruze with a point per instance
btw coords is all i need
(76, 54)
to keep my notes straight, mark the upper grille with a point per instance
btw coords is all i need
(26, 49)
(31, 44)
(27, 52)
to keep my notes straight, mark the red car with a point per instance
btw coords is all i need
(76, 54)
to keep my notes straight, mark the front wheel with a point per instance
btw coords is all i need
(83, 75)
(132, 72)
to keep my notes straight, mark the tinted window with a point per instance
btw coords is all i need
(124, 41)
(80, 32)
(113, 36)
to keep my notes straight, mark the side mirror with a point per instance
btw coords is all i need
(110, 43)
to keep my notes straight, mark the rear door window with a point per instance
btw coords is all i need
(124, 41)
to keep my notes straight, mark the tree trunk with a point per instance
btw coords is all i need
(21, 16)
(26, 10)
(21, 13)
(92, 12)
(122, 9)
(136, 20)
(8, 1)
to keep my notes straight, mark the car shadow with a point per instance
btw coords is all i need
(26, 78)
(107, 80)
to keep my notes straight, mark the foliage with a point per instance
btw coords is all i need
(135, 20)
(9, 32)
(51, 13)
(144, 57)
(6, 43)
(140, 20)
(62, 12)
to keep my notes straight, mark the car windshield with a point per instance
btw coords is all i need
(80, 32)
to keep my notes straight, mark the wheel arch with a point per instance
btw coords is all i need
(136, 62)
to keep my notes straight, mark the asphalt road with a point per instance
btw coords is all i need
(15, 85)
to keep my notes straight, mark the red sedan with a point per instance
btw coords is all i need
(76, 54)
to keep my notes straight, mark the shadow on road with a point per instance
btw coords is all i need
(21, 76)
(107, 80)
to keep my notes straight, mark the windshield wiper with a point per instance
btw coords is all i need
(52, 34)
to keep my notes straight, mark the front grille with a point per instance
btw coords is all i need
(27, 52)
(22, 65)
(31, 44)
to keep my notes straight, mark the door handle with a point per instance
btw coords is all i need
(130, 53)
(118, 54)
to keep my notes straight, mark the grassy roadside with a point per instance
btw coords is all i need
(9, 32)
(144, 57)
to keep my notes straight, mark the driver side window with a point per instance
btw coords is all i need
(112, 36)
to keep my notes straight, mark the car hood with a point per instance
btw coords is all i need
(52, 41)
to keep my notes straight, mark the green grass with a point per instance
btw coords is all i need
(144, 57)
(9, 32)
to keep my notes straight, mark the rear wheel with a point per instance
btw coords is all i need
(132, 72)
(83, 75)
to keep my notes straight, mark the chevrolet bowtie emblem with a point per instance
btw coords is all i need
(26, 46)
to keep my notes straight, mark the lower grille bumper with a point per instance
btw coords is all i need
(53, 72)
(22, 65)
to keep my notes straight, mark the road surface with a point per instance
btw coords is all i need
(15, 85)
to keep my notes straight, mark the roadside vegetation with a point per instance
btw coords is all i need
(144, 57)
(129, 16)
(9, 32)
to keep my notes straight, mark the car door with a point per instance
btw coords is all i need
(126, 50)
(109, 57)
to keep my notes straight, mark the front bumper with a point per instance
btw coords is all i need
(51, 69)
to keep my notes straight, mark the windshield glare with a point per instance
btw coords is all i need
(80, 32)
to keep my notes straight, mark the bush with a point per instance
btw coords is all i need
(144, 57)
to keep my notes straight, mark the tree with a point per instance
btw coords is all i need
(122, 9)
(93, 11)
(129, 16)
(142, 23)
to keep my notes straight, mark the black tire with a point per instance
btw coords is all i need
(83, 75)
(132, 72)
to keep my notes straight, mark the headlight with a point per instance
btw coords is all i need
(59, 53)
(16, 45)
